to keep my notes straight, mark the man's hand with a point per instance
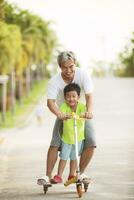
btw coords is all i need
(88, 115)
(63, 116)
(89, 105)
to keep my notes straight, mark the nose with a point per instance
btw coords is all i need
(71, 98)
(68, 70)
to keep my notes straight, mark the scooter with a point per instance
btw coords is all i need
(79, 183)
(77, 180)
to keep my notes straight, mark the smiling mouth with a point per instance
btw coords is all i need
(72, 103)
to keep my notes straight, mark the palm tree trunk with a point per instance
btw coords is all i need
(20, 90)
(12, 91)
(3, 81)
(28, 79)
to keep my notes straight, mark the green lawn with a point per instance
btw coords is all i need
(26, 107)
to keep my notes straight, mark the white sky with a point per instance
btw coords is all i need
(93, 29)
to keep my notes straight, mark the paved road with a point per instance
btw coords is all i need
(23, 150)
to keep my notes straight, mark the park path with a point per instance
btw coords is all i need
(23, 150)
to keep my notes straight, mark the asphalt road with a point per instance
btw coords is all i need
(23, 150)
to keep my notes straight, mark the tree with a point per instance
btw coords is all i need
(25, 40)
(127, 60)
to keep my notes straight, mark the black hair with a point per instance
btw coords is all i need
(72, 87)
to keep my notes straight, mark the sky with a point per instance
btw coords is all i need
(93, 29)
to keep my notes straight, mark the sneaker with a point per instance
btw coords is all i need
(71, 177)
(43, 181)
(84, 178)
(56, 179)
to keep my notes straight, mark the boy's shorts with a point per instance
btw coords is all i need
(89, 134)
(68, 150)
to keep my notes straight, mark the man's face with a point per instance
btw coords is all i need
(68, 68)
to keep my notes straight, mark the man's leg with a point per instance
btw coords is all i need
(86, 158)
(89, 145)
(52, 156)
(52, 153)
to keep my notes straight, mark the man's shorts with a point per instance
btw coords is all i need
(89, 134)
(68, 150)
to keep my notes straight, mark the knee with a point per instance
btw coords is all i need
(89, 150)
(53, 148)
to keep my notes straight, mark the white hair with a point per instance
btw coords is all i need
(64, 56)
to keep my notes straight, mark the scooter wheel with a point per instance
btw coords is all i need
(85, 187)
(45, 189)
(79, 190)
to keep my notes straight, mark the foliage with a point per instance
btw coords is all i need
(10, 46)
(99, 69)
(25, 39)
(29, 103)
(127, 60)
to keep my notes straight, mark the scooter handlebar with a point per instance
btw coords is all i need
(75, 116)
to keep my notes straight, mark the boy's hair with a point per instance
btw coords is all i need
(72, 87)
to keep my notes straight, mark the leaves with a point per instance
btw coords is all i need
(25, 39)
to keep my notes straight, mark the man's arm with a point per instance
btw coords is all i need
(53, 107)
(51, 104)
(89, 106)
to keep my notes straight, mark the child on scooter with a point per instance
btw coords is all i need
(71, 104)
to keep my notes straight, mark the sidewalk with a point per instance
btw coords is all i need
(23, 152)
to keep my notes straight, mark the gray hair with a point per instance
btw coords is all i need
(64, 56)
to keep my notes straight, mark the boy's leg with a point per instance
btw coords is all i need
(52, 154)
(73, 165)
(64, 155)
(61, 167)
(89, 145)
(73, 161)
(58, 177)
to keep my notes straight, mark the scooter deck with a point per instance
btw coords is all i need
(43, 182)
(47, 184)
(86, 181)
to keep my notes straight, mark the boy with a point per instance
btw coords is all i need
(71, 104)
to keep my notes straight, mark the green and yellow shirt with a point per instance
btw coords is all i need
(68, 125)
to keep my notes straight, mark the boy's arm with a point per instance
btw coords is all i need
(53, 107)
(89, 106)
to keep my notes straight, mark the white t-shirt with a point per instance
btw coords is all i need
(56, 85)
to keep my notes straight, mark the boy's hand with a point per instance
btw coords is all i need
(63, 116)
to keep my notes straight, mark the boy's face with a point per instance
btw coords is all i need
(72, 98)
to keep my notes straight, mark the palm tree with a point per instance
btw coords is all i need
(25, 40)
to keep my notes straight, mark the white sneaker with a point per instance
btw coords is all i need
(43, 181)
(84, 178)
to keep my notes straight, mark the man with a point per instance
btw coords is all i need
(69, 73)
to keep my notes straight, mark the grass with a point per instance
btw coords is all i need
(23, 110)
